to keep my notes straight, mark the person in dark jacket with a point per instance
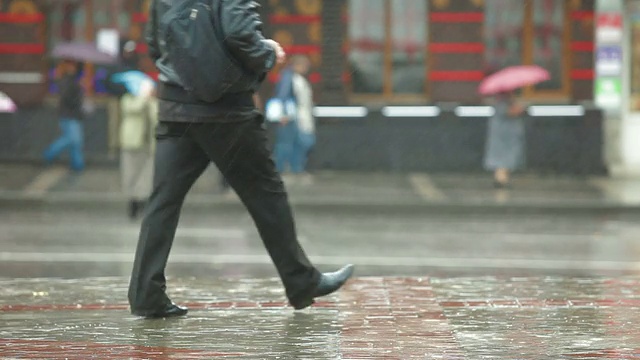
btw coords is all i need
(229, 132)
(128, 62)
(70, 113)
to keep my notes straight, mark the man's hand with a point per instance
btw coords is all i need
(281, 56)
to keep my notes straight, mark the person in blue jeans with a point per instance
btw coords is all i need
(296, 133)
(70, 112)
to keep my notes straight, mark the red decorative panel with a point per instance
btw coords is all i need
(456, 47)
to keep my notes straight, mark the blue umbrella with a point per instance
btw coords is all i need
(132, 80)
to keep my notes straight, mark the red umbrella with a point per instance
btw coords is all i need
(513, 77)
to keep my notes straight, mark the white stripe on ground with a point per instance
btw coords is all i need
(131, 230)
(44, 181)
(426, 188)
(122, 231)
(387, 261)
(110, 197)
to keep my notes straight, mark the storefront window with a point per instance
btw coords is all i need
(367, 45)
(548, 40)
(503, 33)
(409, 41)
(532, 34)
(387, 42)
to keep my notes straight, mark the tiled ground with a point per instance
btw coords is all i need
(372, 318)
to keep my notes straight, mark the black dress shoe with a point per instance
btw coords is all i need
(172, 310)
(329, 283)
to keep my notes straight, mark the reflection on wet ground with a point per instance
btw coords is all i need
(43, 243)
(374, 317)
(535, 286)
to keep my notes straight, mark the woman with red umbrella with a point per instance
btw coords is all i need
(505, 146)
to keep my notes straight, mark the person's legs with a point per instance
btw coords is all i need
(128, 166)
(303, 144)
(61, 143)
(179, 162)
(144, 179)
(77, 142)
(283, 149)
(136, 170)
(501, 177)
(240, 152)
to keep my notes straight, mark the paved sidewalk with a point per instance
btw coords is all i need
(372, 318)
(21, 183)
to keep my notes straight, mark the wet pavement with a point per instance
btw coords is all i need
(100, 186)
(546, 283)
(372, 318)
(223, 242)
(480, 286)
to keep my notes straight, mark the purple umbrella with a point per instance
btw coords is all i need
(82, 52)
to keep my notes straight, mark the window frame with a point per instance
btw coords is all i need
(387, 95)
(528, 35)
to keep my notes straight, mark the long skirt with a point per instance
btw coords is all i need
(136, 168)
(505, 147)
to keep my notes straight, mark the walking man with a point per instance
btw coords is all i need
(71, 114)
(228, 132)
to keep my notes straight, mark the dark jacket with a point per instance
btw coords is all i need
(71, 98)
(242, 29)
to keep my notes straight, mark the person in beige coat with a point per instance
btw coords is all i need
(137, 145)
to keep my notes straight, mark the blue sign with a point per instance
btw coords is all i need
(609, 60)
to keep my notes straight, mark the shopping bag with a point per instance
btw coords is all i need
(276, 109)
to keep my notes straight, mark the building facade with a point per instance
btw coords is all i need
(363, 51)
(367, 56)
(420, 51)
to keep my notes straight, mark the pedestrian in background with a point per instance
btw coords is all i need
(296, 133)
(505, 145)
(195, 129)
(70, 113)
(137, 144)
(128, 61)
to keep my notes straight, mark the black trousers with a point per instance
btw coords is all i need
(239, 149)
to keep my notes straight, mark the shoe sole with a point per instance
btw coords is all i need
(304, 304)
(165, 316)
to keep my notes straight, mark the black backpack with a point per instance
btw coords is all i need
(195, 47)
